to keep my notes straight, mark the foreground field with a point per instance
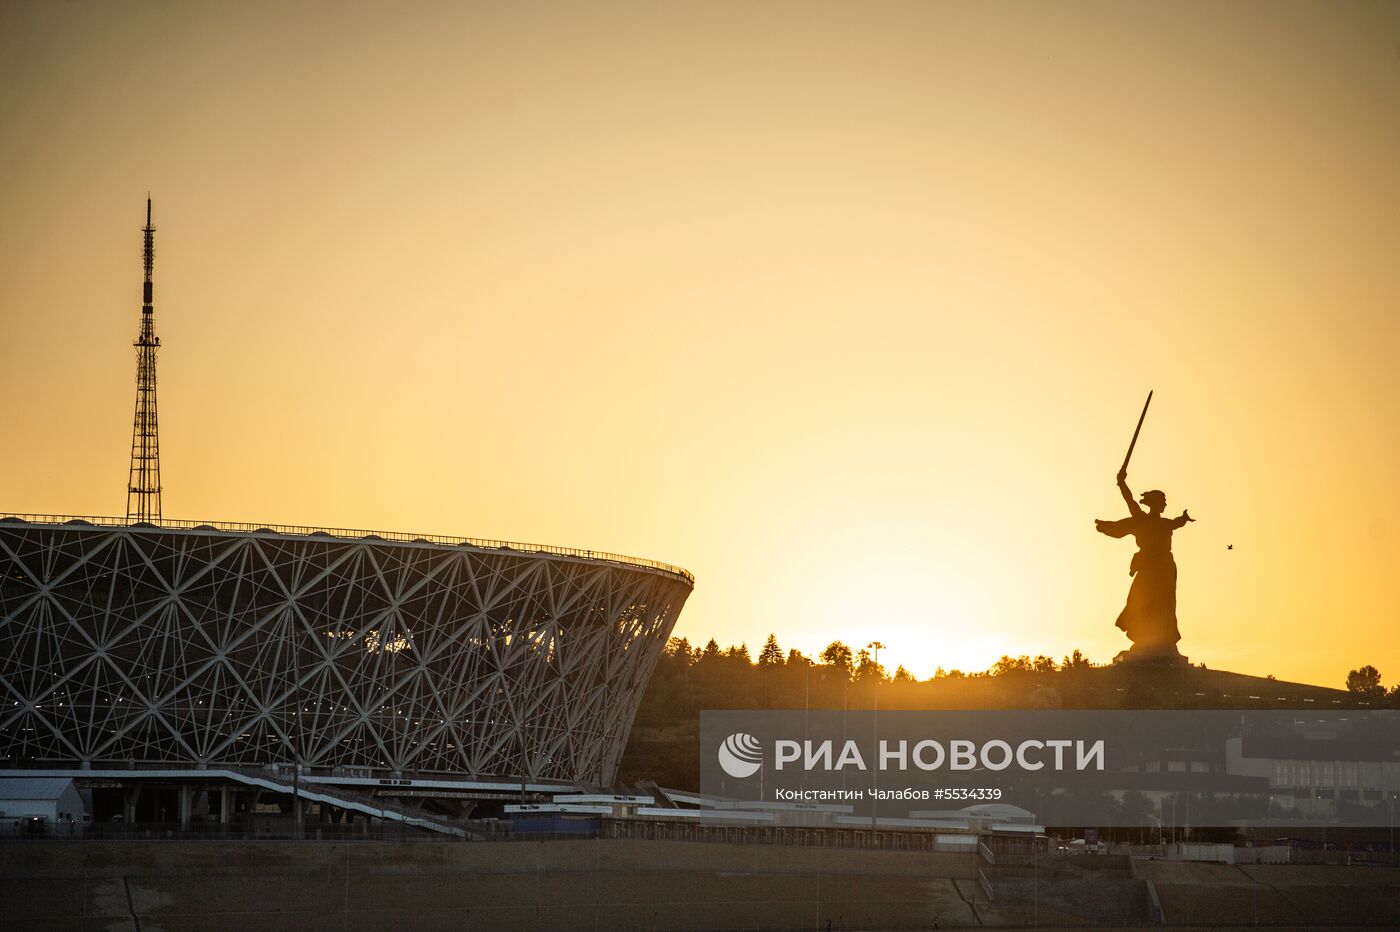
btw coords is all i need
(182, 886)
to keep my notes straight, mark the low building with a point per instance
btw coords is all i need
(37, 804)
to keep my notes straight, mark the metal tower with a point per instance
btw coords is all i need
(143, 486)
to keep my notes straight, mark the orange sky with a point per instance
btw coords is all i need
(847, 307)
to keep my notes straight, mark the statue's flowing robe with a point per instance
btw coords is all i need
(1149, 617)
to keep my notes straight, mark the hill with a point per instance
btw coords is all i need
(664, 744)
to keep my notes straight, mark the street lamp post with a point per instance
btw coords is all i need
(875, 737)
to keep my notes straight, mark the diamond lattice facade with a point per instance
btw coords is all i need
(198, 646)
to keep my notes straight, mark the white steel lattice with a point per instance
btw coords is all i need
(140, 645)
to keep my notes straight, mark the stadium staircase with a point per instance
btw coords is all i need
(352, 800)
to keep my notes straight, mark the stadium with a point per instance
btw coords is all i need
(197, 670)
(336, 657)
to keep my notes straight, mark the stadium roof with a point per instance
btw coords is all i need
(33, 787)
(239, 527)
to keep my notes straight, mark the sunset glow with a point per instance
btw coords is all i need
(849, 309)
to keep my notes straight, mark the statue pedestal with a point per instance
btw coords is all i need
(1167, 656)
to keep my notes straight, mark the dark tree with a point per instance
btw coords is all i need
(772, 654)
(867, 668)
(1076, 661)
(838, 655)
(1011, 665)
(1366, 681)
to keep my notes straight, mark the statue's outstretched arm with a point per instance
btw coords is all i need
(1115, 529)
(1127, 493)
(1182, 520)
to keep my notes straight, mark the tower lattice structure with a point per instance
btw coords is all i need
(143, 485)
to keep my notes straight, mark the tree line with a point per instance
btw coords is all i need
(690, 678)
(664, 742)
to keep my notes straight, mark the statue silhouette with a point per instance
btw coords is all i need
(1149, 617)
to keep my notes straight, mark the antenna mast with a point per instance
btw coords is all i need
(143, 486)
